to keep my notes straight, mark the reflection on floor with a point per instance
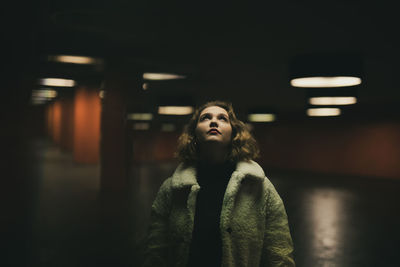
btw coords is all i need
(335, 221)
(342, 222)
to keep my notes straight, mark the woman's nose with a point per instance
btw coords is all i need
(213, 123)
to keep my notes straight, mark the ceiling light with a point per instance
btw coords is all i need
(261, 117)
(102, 94)
(140, 116)
(326, 70)
(73, 59)
(161, 76)
(38, 101)
(322, 112)
(141, 126)
(325, 82)
(168, 127)
(57, 82)
(333, 100)
(175, 110)
(44, 93)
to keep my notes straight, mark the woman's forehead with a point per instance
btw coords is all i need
(214, 110)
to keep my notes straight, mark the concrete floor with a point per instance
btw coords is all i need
(335, 220)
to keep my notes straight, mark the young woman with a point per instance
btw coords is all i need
(218, 208)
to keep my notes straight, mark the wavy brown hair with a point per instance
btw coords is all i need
(243, 145)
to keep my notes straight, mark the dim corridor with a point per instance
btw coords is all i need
(334, 220)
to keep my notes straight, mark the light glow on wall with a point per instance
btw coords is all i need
(175, 110)
(261, 117)
(140, 116)
(323, 112)
(333, 100)
(325, 82)
(161, 76)
(57, 82)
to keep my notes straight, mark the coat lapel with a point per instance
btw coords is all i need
(185, 176)
(244, 170)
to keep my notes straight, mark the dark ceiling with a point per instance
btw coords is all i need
(239, 50)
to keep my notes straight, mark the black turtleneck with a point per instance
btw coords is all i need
(206, 245)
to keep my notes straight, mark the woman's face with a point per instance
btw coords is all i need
(214, 126)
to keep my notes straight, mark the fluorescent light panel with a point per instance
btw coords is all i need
(38, 101)
(333, 100)
(161, 76)
(261, 117)
(175, 110)
(140, 116)
(73, 59)
(325, 82)
(323, 112)
(44, 93)
(168, 127)
(102, 94)
(141, 126)
(57, 82)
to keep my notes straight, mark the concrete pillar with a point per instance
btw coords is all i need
(67, 124)
(115, 150)
(49, 120)
(115, 199)
(86, 139)
(56, 129)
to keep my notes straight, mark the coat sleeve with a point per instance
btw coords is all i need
(278, 245)
(156, 247)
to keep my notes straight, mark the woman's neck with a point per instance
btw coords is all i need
(213, 154)
(214, 173)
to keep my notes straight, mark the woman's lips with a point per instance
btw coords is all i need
(214, 131)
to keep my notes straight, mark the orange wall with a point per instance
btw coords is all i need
(361, 149)
(87, 108)
(67, 124)
(56, 122)
(49, 120)
(365, 149)
(154, 145)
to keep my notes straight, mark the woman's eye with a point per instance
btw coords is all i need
(204, 118)
(224, 118)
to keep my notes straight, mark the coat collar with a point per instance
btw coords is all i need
(185, 175)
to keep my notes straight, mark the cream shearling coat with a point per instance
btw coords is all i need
(253, 222)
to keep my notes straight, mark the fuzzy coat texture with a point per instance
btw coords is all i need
(253, 223)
